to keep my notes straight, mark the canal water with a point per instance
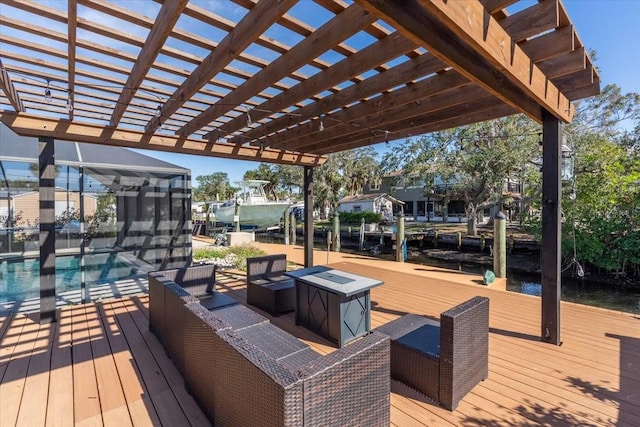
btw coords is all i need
(576, 290)
(604, 295)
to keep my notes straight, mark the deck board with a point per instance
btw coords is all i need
(60, 394)
(168, 409)
(140, 407)
(33, 406)
(86, 402)
(112, 400)
(593, 379)
(15, 370)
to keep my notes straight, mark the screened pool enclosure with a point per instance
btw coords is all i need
(118, 214)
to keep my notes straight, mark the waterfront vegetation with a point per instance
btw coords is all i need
(600, 204)
(232, 256)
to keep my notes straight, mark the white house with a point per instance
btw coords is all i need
(380, 203)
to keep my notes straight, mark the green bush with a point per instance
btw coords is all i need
(356, 217)
(241, 253)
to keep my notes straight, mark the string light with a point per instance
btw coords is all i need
(386, 137)
(69, 102)
(261, 149)
(157, 112)
(249, 121)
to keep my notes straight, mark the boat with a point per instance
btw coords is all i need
(251, 205)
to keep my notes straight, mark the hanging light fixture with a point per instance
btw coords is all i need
(567, 166)
(158, 112)
(47, 94)
(69, 102)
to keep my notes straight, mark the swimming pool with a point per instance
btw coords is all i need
(20, 279)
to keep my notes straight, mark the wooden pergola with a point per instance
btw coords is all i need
(289, 82)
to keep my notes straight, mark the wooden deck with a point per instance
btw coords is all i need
(100, 365)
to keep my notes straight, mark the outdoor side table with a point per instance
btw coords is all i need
(333, 303)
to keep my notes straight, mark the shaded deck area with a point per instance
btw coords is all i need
(100, 365)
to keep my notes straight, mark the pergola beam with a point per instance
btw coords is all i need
(550, 44)
(437, 121)
(376, 112)
(375, 54)
(400, 74)
(565, 64)
(92, 27)
(464, 35)
(254, 23)
(37, 126)
(323, 39)
(72, 17)
(164, 23)
(537, 19)
(195, 40)
(148, 93)
(9, 89)
(465, 104)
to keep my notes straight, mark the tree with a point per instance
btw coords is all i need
(603, 214)
(213, 187)
(600, 206)
(344, 173)
(470, 163)
(289, 178)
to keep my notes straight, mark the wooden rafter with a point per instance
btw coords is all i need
(405, 72)
(32, 125)
(551, 44)
(324, 38)
(106, 32)
(562, 65)
(394, 119)
(198, 41)
(104, 65)
(382, 51)
(292, 75)
(466, 36)
(243, 34)
(537, 19)
(9, 89)
(376, 112)
(167, 18)
(488, 109)
(72, 16)
(264, 41)
(496, 6)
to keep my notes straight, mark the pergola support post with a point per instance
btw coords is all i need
(47, 175)
(308, 216)
(550, 258)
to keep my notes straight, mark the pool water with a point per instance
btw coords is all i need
(20, 280)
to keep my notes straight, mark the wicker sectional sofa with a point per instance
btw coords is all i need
(243, 370)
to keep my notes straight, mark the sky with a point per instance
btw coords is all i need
(611, 28)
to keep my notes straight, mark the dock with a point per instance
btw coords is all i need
(101, 365)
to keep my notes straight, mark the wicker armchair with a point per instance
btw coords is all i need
(446, 359)
(259, 375)
(267, 287)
